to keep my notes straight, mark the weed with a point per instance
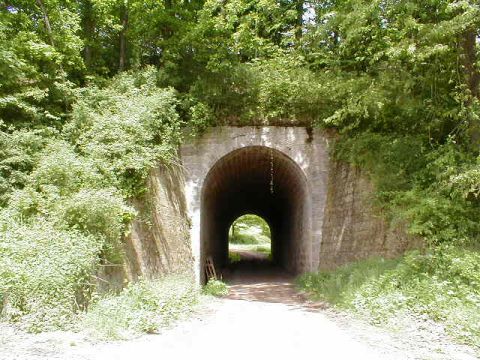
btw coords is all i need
(142, 307)
(442, 284)
(215, 288)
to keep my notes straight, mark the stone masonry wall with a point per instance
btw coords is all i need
(308, 148)
(343, 224)
(159, 242)
(353, 228)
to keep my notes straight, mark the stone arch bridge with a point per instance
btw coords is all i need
(319, 210)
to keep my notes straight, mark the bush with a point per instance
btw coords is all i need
(70, 190)
(142, 307)
(241, 238)
(19, 152)
(215, 288)
(442, 284)
(45, 273)
(102, 213)
(126, 128)
(63, 171)
(432, 189)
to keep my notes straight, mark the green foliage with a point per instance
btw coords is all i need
(101, 213)
(142, 307)
(340, 286)
(401, 61)
(391, 161)
(45, 272)
(19, 152)
(70, 188)
(278, 91)
(201, 117)
(398, 80)
(442, 284)
(240, 238)
(60, 171)
(34, 62)
(233, 257)
(249, 229)
(126, 127)
(431, 189)
(215, 288)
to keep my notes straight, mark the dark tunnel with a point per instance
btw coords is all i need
(241, 183)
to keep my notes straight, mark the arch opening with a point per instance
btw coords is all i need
(265, 182)
(249, 240)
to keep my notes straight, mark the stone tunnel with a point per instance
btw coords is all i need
(320, 210)
(267, 171)
(263, 181)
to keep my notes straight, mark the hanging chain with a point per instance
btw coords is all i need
(271, 171)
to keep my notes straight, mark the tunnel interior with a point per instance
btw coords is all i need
(262, 181)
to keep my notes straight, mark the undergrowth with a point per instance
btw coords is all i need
(249, 229)
(215, 288)
(142, 307)
(64, 196)
(442, 284)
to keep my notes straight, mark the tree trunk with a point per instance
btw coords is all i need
(88, 25)
(46, 20)
(472, 79)
(123, 37)
(299, 23)
(469, 63)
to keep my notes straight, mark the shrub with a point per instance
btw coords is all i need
(61, 170)
(19, 152)
(44, 273)
(215, 288)
(242, 238)
(102, 213)
(234, 257)
(142, 307)
(442, 284)
(432, 189)
(126, 128)
(69, 188)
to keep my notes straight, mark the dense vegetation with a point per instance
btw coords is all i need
(94, 92)
(142, 307)
(441, 285)
(249, 229)
(249, 233)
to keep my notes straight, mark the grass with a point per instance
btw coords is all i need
(215, 288)
(249, 229)
(442, 285)
(248, 237)
(234, 256)
(142, 307)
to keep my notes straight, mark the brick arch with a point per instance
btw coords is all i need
(302, 160)
(241, 182)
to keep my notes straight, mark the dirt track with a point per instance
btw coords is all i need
(262, 318)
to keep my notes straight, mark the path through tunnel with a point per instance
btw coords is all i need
(266, 182)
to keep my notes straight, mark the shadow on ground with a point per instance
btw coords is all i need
(255, 278)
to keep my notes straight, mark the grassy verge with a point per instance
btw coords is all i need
(264, 248)
(234, 256)
(142, 307)
(215, 288)
(442, 285)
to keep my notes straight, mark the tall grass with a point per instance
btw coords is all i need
(442, 285)
(142, 307)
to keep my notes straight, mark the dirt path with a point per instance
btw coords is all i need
(262, 318)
